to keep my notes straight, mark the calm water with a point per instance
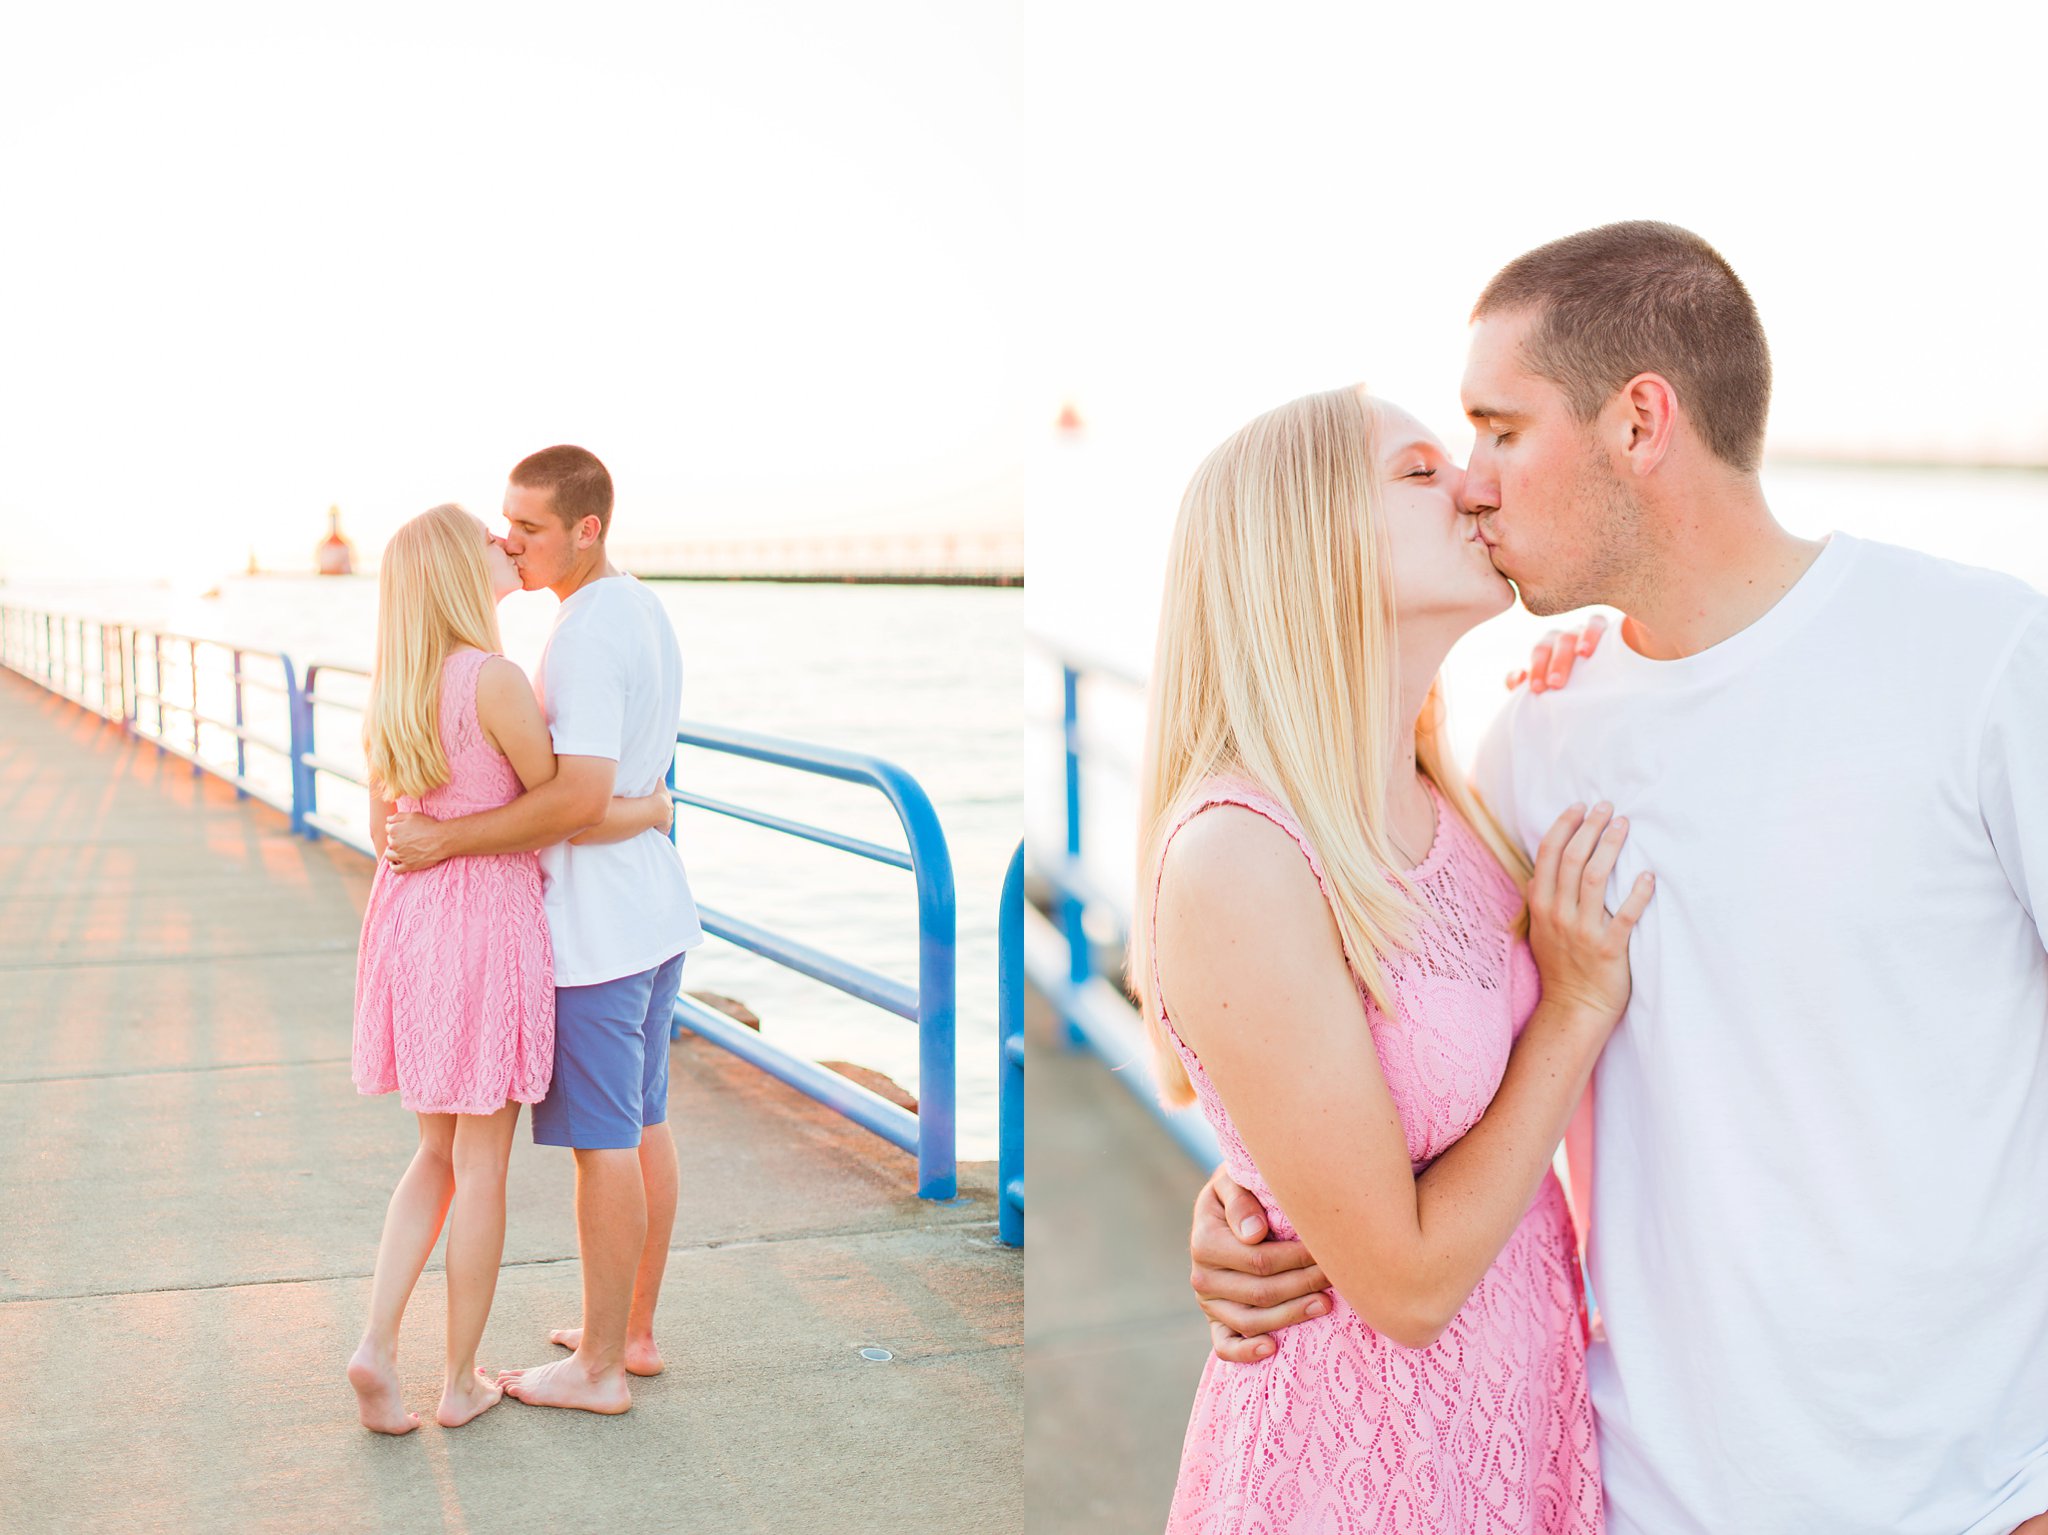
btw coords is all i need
(1101, 518)
(923, 676)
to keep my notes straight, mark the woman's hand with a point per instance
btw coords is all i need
(1582, 949)
(1551, 662)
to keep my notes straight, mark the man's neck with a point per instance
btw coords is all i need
(1720, 566)
(596, 568)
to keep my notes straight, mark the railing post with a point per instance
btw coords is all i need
(130, 652)
(157, 686)
(1073, 910)
(307, 794)
(937, 1004)
(295, 733)
(241, 746)
(192, 668)
(1010, 1061)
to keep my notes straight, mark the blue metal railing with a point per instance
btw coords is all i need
(1010, 1061)
(1060, 960)
(39, 646)
(930, 1004)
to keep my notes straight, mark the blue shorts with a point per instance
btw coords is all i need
(611, 1061)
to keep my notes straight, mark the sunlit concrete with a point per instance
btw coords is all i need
(191, 1190)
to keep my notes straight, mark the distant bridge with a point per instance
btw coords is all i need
(987, 557)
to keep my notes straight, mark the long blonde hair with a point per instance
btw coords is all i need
(433, 598)
(1278, 662)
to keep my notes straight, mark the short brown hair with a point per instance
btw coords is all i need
(582, 486)
(1644, 297)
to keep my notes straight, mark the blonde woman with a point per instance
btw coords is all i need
(455, 1001)
(1385, 1013)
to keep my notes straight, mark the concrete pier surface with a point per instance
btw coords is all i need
(191, 1192)
(1113, 1344)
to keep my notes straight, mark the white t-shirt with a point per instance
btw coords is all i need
(611, 681)
(1820, 1150)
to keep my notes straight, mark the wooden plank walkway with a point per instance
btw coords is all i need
(191, 1192)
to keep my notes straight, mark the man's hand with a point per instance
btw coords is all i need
(1248, 1286)
(413, 842)
(1551, 662)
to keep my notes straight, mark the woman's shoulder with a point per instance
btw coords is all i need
(1236, 856)
(502, 689)
(498, 672)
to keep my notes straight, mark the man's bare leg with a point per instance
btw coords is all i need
(611, 1230)
(660, 1178)
(412, 1224)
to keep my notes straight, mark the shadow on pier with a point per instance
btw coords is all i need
(1113, 1344)
(193, 1192)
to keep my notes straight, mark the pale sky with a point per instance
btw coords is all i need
(262, 258)
(817, 268)
(1233, 206)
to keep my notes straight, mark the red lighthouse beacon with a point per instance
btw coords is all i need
(336, 556)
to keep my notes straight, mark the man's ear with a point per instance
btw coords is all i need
(1648, 421)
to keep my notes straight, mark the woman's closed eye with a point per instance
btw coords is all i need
(1424, 472)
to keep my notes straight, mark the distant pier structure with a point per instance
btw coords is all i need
(982, 557)
(336, 556)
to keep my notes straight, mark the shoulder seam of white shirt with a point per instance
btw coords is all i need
(2036, 613)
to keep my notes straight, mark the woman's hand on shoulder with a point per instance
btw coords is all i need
(1581, 948)
(1552, 659)
(512, 722)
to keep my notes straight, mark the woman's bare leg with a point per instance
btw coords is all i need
(476, 1243)
(412, 1224)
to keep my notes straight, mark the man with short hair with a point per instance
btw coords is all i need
(620, 916)
(1816, 1148)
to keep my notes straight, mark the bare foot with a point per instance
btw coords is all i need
(642, 1357)
(467, 1399)
(566, 1383)
(375, 1377)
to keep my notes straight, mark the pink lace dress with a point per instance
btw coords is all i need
(455, 996)
(1341, 1430)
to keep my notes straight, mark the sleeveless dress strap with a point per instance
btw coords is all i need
(468, 671)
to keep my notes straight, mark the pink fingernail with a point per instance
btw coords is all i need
(1248, 1228)
(1317, 1307)
(1262, 1350)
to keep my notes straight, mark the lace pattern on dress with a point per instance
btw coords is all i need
(1490, 1428)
